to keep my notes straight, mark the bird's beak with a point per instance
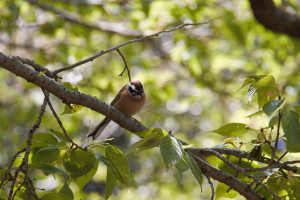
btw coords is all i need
(142, 95)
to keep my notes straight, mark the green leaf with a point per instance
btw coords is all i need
(195, 169)
(41, 73)
(81, 181)
(260, 112)
(65, 190)
(263, 95)
(171, 151)
(47, 169)
(247, 82)
(42, 140)
(272, 107)
(46, 156)
(75, 109)
(153, 141)
(251, 92)
(263, 174)
(265, 81)
(55, 196)
(111, 166)
(48, 147)
(182, 165)
(22, 146)
(111, 181)
(268, 151)
(232, 129)
(141, 142)
(221, 191)
(158, 131)
(291, 128)
(70, 87)
(79, 162)
(297, 109)
(273, 121)
(60, 135)
(119, 161)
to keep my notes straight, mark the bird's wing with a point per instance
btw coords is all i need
(118, 96)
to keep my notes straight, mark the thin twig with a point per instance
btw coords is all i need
(13, 197)
(126, 67)
(243, 171)
(29, 138)
(278, 133)
(282, 156)
(14, 181)
(10, 165)
(211, 186)
(60, 123)
(125, 43)
(237, 173)
(37, 67)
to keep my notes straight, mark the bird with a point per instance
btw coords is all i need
(130, 100)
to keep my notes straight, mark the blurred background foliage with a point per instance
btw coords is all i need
(190, 77)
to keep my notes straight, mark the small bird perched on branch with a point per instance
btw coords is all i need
(130, 100)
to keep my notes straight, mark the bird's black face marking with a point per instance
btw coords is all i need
(136, 89)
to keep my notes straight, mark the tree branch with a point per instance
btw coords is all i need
(128, 123)
(125, 43)
(275, 19)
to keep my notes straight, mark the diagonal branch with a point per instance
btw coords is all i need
(125, 43)
(128, 123)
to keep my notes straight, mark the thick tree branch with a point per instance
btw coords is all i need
(66, 95)
(275, 19)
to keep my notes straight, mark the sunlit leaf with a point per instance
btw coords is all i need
(70, 87)
(232, 129)
(60, 135)
(260, 112)
(221, 191)
(75, 109)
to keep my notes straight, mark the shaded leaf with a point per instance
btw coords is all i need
(47, 156)
(65, 190)
(171, 151)
(81, 181)
(182, 165)
(111, 166)
(273, 121)
(111, 181)
(119, 161)
(79, 162)
(47, 169)
(195, 169)
(55, 196)
(291, 128)
(272, 107)
(60, 135)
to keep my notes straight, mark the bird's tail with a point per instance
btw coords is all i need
(95, 133)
